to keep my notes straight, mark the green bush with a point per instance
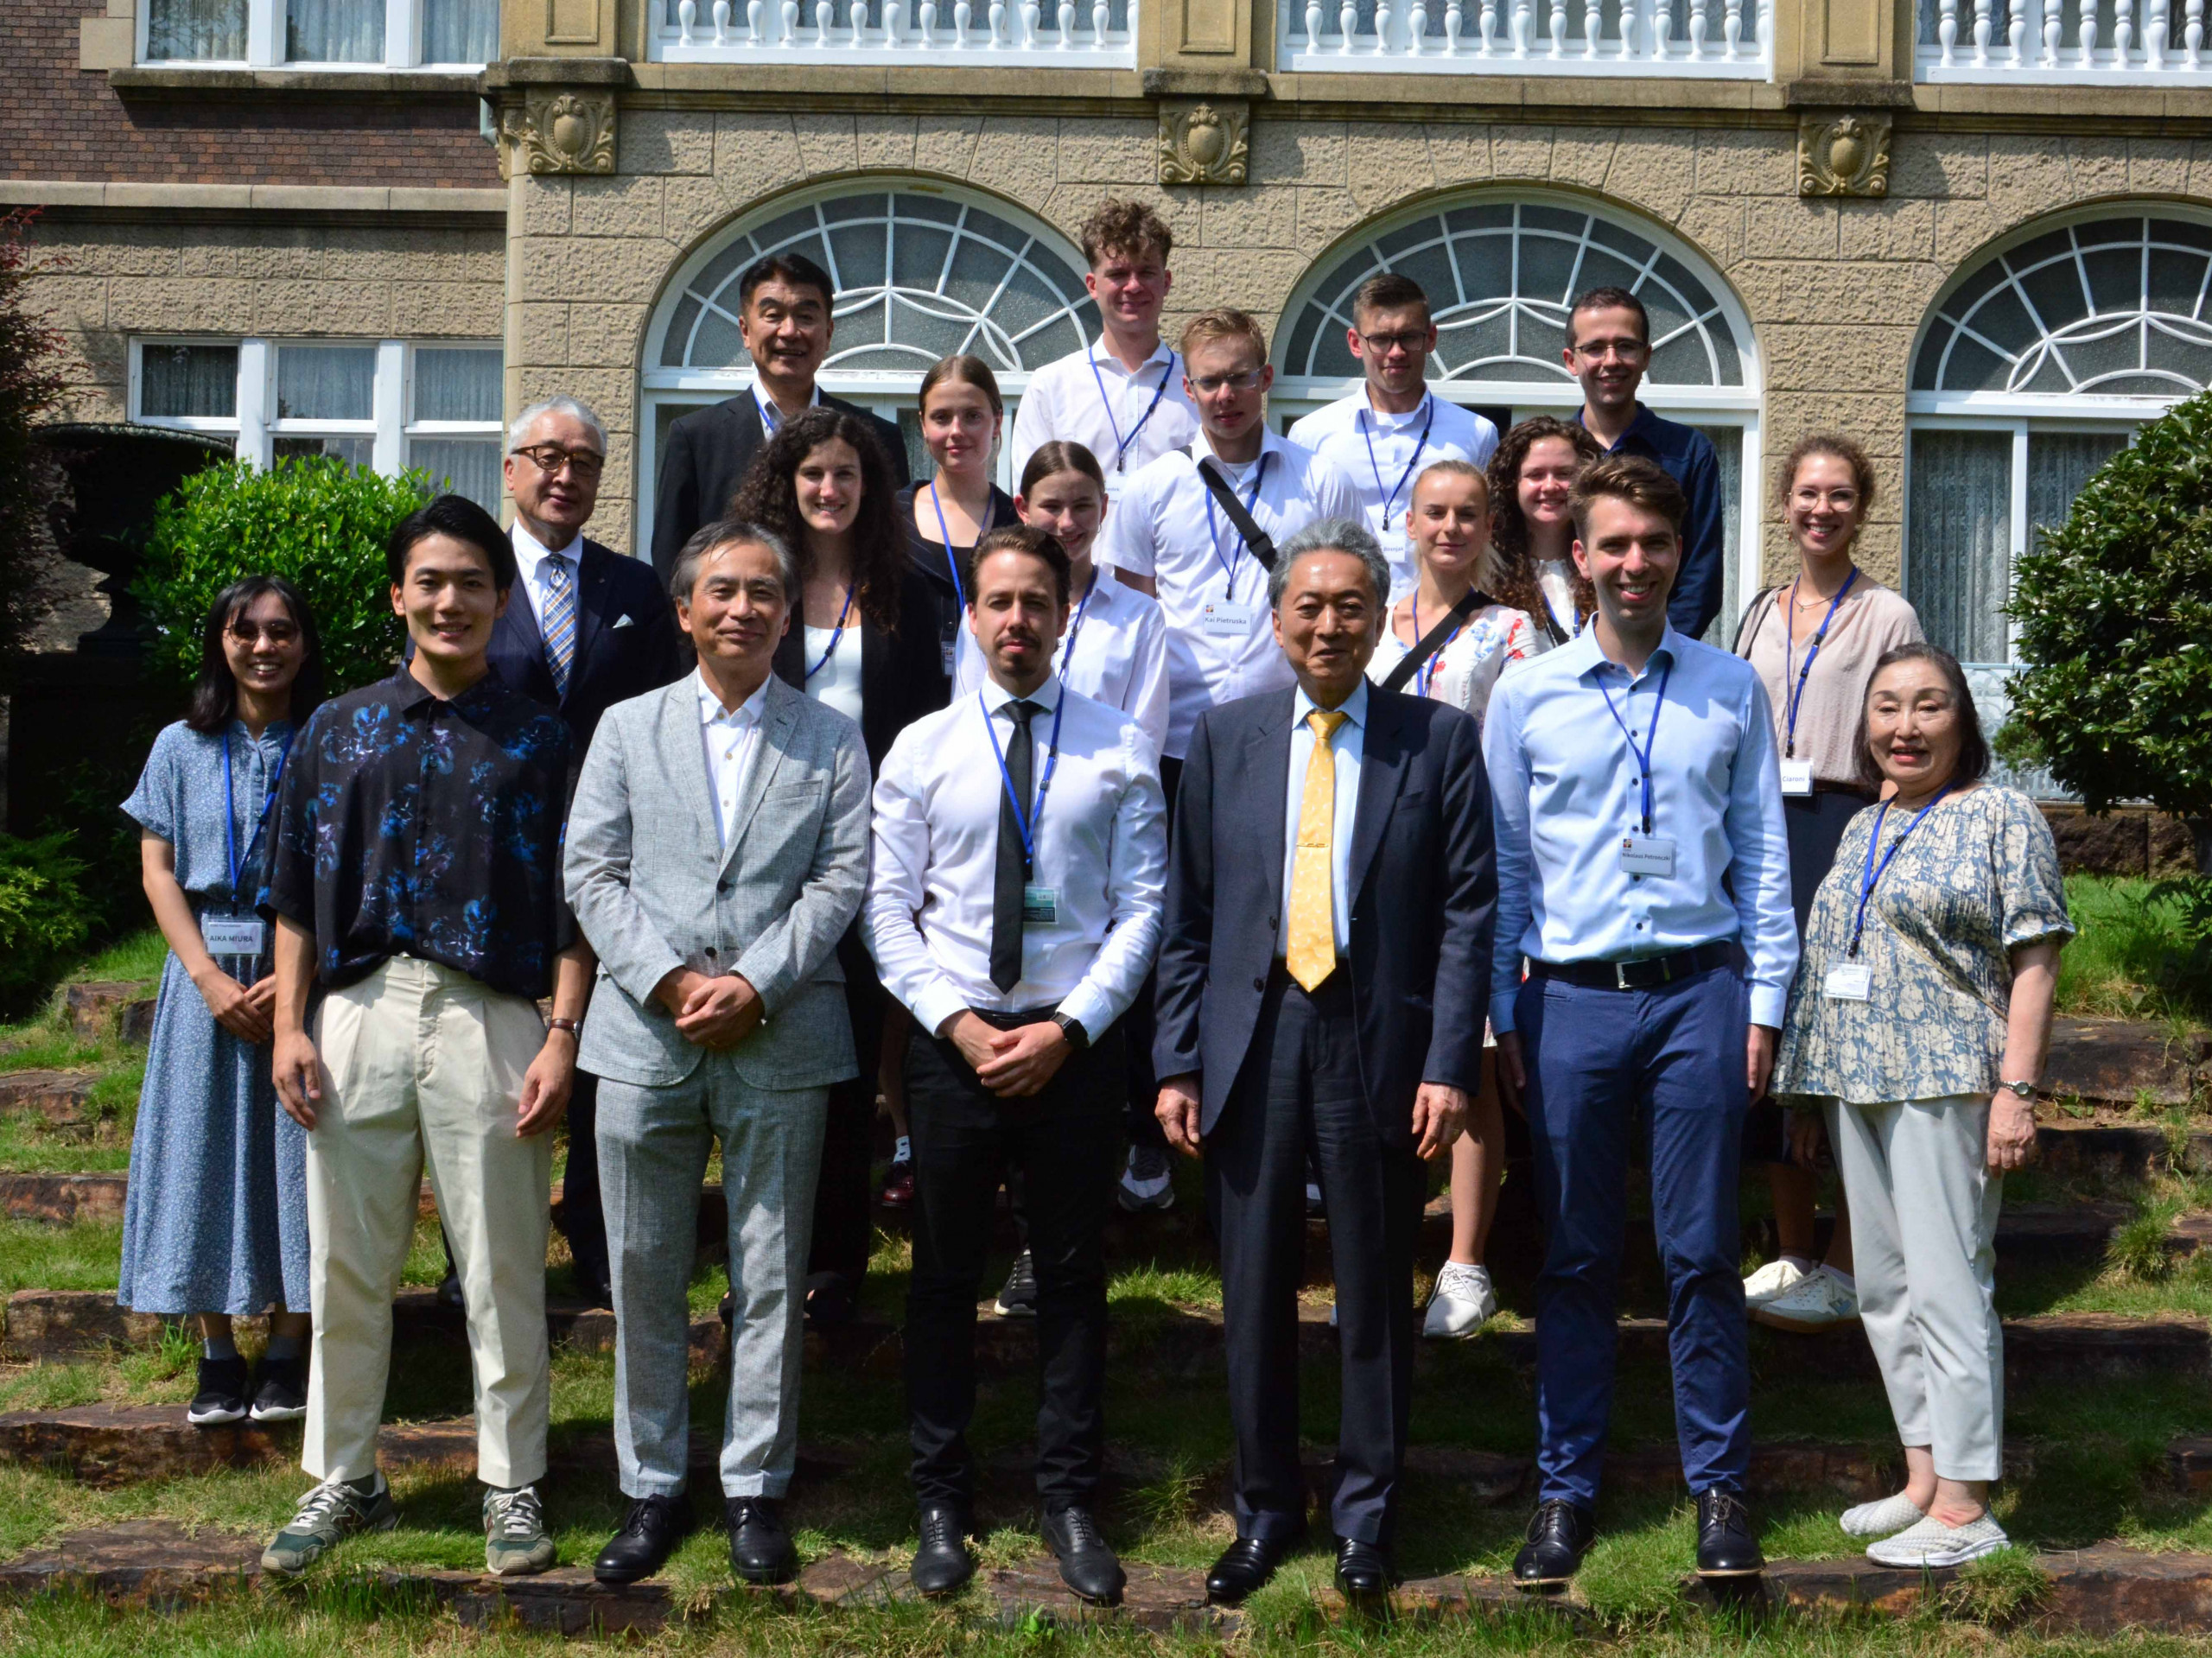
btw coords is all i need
(317, 522)
(42, 917)
(2115, 614)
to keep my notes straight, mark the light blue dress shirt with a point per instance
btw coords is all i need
(1564, 791)
(1345, 748)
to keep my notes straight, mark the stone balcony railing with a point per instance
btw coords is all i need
(2078, 42)
(987, 34)
(1727, 40)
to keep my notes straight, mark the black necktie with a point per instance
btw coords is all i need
(1013, 863)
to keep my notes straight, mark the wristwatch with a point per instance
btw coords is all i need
(2027, 1092)
(573, 1026)
(1072, 1029)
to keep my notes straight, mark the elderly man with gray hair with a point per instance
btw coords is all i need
(1323, 975)
(717, 851)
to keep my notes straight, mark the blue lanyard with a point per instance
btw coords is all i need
(1871, 876)
(1419, 443)
(1426, 675)
(1795, 692)
(1643, 759)
(230, 812)
(1121, 444)
(836, 634)
(945, 540)
(1028, 822)
(1213, 529)
(1075, 633)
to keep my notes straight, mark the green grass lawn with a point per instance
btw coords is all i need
(2127, 961)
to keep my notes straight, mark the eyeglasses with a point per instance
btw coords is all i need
(1207, 385)
(1838, 500)
(549, 458)
(1596, 351)
(246, 633)
(1383, 344)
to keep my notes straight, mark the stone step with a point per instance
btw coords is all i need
(60, 1099)
(2121, 1151)
(121, 1010)
(2123, 1061)
(66, 1199)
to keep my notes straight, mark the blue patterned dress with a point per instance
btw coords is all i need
(216, 1218)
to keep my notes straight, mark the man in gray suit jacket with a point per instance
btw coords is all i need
(717, 851)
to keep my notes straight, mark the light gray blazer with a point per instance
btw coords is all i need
(652, 887)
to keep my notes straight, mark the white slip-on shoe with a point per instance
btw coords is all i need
(1772, 1280)
(1823, 1298)
(1891, 1514)
(1463, 1302)
(1932, 1545)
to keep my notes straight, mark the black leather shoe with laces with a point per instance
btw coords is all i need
(650, 1531)
(942, 1562)
(761, 1550)
(1727, 1542)
(1558, 1535)
(1087, 1566)
(1363, 1570)
(1245, 1566)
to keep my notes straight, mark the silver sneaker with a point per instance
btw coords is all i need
(328, 1515)
(1824, 1297)
(1146, 1183)
(515, 1543)
(1931, 1545)
(1462, 1304)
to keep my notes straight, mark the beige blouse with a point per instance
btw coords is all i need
(1872, 619)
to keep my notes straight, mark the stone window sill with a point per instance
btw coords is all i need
(172, 80)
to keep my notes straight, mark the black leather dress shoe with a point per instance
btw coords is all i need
(650, 1531)
(942, 1562)
(1559, 1534)
(1087, 1566)
(1363, 1570)
(1245, 1566)
(761, 1550)
(1727, 1543)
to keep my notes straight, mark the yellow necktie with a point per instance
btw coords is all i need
(1311, 955)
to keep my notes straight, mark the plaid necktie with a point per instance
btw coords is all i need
(560, 629)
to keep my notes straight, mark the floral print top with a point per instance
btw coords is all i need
(1463, 671)
(1978, 879)
(412, 825)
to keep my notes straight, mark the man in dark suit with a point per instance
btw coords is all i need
(785, 304)
(589, 628)
(1322, 979)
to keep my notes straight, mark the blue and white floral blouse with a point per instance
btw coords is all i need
(1978, 879)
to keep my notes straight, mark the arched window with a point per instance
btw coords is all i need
(921, 272)
(1500, 273)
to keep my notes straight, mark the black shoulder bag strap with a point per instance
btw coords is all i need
(1747, 625)
(1435, 639)
(1257, 540)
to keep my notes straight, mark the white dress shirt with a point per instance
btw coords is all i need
(1115, 652)
(837, 681)
(1564, 791)
(729, 740)
(1347, 748)
(1066, 404)
(1102, 844)
(1162, 528)
(770, 416)
(1384, 455)
(530, 556)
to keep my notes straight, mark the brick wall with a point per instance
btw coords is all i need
(59, 122)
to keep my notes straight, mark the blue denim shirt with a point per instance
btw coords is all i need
(1686, 454)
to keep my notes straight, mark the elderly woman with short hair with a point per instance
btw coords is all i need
(1919, 1022)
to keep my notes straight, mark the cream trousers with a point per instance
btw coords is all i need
(424, 1063)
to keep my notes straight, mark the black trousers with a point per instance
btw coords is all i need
(1298, 1097)
(1065, 1146)
(582, 1221)
(844, 1225)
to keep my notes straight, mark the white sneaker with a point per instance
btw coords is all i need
(1462, 1304)
(1932, 1544)
(1824, 1297)
(1772, 1280)
(1891, 1514)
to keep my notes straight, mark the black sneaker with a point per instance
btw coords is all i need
(1019, 1299)
(280, 1390)
(220, 1398)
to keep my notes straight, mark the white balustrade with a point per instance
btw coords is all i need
(1060, 33)
(1702, 39)
(2079, 43)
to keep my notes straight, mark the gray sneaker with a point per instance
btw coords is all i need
(328, 1515)
(515, 1543)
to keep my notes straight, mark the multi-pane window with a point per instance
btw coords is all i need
(326, 34)
(388, 404)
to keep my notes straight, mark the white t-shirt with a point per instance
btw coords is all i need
(836, 682)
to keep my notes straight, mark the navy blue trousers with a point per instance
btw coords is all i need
(1605, 1065)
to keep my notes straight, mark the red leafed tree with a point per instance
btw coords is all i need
(32, 385)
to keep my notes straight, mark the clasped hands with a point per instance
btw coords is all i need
(718, 1012)
(1013, 1064)
(1440, 1115)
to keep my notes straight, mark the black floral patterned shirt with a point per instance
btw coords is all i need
(413, 826)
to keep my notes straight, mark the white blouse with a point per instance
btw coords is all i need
(838, 682)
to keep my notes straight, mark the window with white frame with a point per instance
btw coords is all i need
(457, 34)
(387, 404)
(1500, 273)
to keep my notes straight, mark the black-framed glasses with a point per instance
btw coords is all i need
(549, 458)
(1596, 351)
(252, 632)
(1383, 344)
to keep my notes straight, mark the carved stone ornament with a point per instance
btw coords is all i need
(1843, 155)
(1203, 143)
(560, 130)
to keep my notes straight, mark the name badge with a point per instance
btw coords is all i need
(947, 649)
(1040, 905)
(1796, 777)
(1849, 982)
(233, 934)
(1648, 854)
(1225, 618)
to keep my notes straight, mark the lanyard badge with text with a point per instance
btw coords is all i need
(1228, 618)
(241, 936)
(1040, 905)
(1645, 854)
(1853, 980)
(1797, 774)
